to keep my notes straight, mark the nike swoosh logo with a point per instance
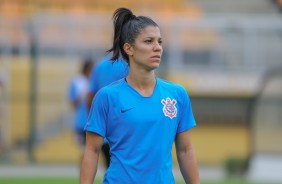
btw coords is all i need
(125, 110)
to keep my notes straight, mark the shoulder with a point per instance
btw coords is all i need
(100, 69)
(107, 64)
(177, 92)
(113, 87)
(105, 61)
(171, 86)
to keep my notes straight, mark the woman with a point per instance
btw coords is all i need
(140, 115)
(77, 94)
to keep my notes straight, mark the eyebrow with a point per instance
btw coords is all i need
(152, 37)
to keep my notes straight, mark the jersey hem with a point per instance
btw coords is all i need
(96, 132)
(185, 129)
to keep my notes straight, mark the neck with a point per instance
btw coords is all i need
(144, 83)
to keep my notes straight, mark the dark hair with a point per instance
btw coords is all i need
(126, 28)
(87, 63)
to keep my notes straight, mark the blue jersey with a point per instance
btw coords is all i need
(140, 130)
(105, 72)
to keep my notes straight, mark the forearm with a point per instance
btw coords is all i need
(89, 166)
(188, 166)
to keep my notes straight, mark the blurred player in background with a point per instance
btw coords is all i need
(104, 73)
(77, 95)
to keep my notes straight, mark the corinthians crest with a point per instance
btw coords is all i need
(169, 108)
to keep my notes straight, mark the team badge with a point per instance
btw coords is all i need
(169, 108)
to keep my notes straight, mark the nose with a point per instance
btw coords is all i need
(158, 46)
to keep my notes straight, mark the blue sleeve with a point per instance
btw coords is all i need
(72, 92)
(98, 114)
(186, 120)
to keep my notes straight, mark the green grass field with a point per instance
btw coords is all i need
(76, 181)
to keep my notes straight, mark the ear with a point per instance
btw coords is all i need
(128, 49)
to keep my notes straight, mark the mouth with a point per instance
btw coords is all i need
(156, 57)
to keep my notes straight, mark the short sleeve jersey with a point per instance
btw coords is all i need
(140, 130)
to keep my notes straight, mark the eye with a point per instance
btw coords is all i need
(148, 41)
(160, 42)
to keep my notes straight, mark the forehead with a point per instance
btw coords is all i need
(150, 31)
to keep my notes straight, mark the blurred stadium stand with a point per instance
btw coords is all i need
(219, 50)
(239, 6)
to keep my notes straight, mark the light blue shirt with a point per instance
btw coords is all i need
(77, 92)
(140, 130)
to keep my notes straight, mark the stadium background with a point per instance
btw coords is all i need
(227, 55)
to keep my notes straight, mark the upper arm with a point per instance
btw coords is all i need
(183, 141)
(94, 141)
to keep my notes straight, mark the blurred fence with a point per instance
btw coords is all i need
(220, 60)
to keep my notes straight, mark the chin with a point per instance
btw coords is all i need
(156, 66)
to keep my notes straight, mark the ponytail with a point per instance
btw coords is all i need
(126, 28)
(121, 17)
